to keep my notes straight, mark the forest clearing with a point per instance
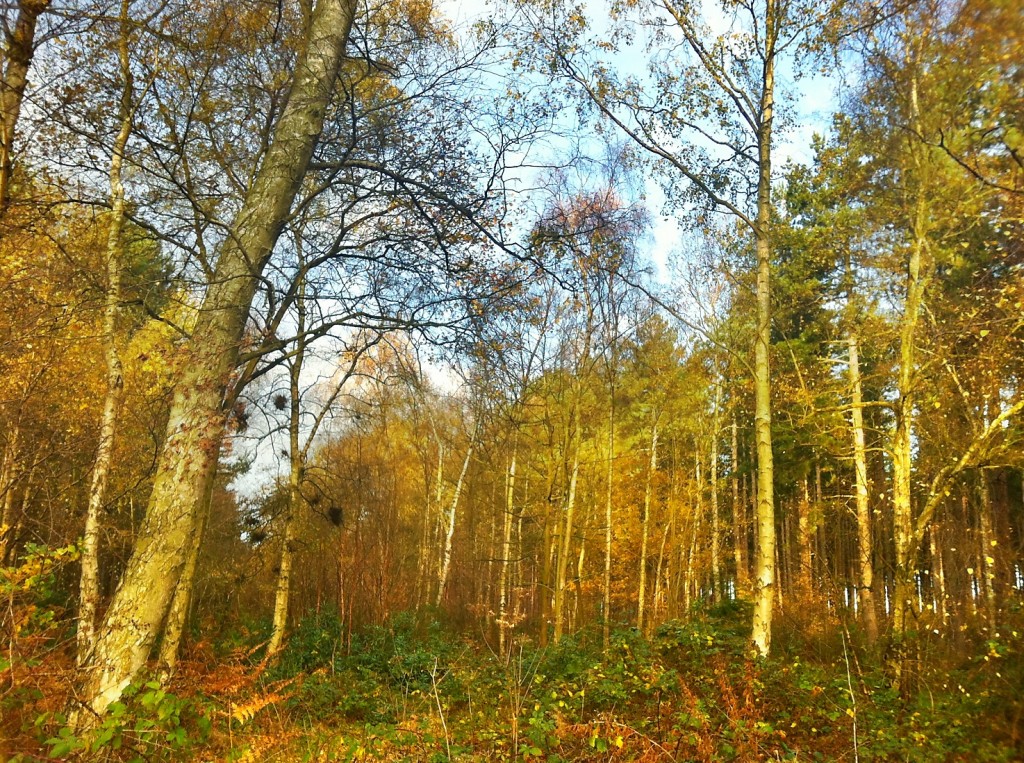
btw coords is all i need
(512, 381)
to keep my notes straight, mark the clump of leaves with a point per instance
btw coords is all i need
(147, 723)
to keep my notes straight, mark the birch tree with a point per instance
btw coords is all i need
(196, 422)
(705, 117)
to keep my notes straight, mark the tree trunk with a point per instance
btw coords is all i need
(688, 584)
(805, 532)
(565, 546)
(89, 589)
(641, 596)
(902, 436)
(739, 523)
(658, 593)
(606, 602)
(181, 604)
(504, 621)
(860, 469)
(296, 465)
(196, 419)
(716, 530)
(938, 570)
(987, 562)
(8, 479)
(20, 48)
(446, 558)
(764, 573)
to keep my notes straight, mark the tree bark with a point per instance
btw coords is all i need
(606, 602)
(902, 436)
(446, 558)
(196, 419)
(181, 603)
(641, 595)
(860, 468)
(8, 481)
(504, 621)
(764, 583)
(716, 530)
(89, 590)
(805, 532)
(739, 523)
(19, 51)
(566, 545)
(987, 562)
(296, 458)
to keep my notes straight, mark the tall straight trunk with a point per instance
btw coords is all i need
(504, 620)
(673, 564)
(689, 583)
(658, 593)
(716, 530)
(432, 527)
(578, 583)
(89, 586)
(938, 570)
(764, 572)
(902, 436)
(545, 586)
(296, 464)
(19, 51)
(987, 562)
(739, 524)
(423, 565)
(562, 567)
(606, 602)
(860, 468)
(805, 533)
(446, 555)
(641, 595)
(196, 420)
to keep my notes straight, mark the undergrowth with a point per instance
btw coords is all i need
(410, 690)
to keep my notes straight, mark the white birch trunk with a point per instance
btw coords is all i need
(446, 557)
(181, 603)
(562, 567)
(716, 530)
(296, 457)
(504, 621)
(739, 525)
(606, 608)
(641, 594)
(764, 572)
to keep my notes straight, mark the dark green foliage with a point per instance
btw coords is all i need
(148, 724)
(405, 654)
(313, 645)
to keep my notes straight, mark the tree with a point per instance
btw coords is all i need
(89, 590)
(196, 422)
(706, 120)
(932, 219)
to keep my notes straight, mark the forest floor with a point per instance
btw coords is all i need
(413, 691)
